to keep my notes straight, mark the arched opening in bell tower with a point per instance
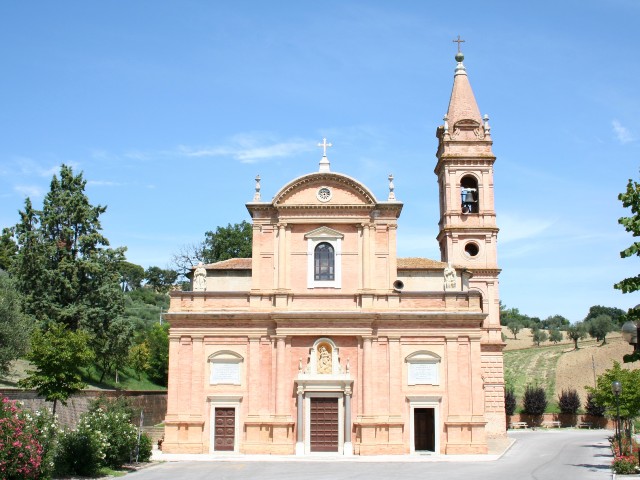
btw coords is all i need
(469, 194)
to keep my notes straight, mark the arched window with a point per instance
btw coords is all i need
(324, 262)
(469, 193)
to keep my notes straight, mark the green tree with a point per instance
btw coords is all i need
(630, 199)
(555, 335)
(111, 344)
(160, 279)
(138, 358)
(514, 327)
(58, 355)
(600, 326)
(15, 326)
(616, 314)
(576, 332)
(232, 241)
(131, 276)
(8, 249)
(555, 321)
(540, 336)
(63, 266)
(158, 340)
(629, 398)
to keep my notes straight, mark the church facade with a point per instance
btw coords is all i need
(326, 342)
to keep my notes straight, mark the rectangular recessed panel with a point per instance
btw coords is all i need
(225, 429)
(324, 424)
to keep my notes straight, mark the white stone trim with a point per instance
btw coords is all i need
(424, 401)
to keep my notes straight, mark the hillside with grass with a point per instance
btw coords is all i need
(559, 366)
(143, 309)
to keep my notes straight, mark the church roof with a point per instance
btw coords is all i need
(462, 105)
(231, 264)
(418, 263)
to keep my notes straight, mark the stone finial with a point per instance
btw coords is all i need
(487, 127)
(392, 195)
(446, 124)
(256, 196)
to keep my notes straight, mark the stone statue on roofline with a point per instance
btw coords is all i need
(200, 278)
(450, 280)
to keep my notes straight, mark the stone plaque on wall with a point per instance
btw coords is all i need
(222, 372)
(423, 373)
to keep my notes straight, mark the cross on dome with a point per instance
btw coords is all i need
(324, 146)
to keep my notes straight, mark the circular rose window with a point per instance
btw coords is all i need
(324, 194)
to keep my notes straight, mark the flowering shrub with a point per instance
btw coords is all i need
(625, 459)
(20, 450)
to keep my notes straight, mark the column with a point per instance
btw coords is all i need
(282, 267)
(366, 258)
(300, 424)
(281, 380)
(348, 446)
(253, 375)
(367, 375)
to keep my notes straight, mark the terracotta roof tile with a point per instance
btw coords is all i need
(412, 263)
(231, 264)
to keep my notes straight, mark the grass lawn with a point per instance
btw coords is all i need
(127, 380)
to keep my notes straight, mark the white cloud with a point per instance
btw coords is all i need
(103, 183)
(250, 148)
(621, 132)
(29, 190)
(518, 228)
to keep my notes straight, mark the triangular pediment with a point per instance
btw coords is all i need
(324, 232)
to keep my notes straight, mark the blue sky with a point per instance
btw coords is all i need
(171, 108)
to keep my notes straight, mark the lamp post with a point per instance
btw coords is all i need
(616, 388)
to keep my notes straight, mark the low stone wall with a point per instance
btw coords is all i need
(566, 420)
(153, 404)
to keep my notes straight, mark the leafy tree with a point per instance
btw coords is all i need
(540, 336)
(600, 326)
(232, 241)
(158, 340)
(555, 336)
(576, 332)
(111, 345)
(593, 408)
(138, 358)
(131, 275)
(630, 199)
(629, 398)
(59, 355)
(509, 401)
(534, 401)
(617, 315)
(514, 327)
(555, 321)
(8, 249)
(160, 279)
(569, 401)
(15, 326)
(63, 266)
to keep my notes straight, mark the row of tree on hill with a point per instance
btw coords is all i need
(598, 323)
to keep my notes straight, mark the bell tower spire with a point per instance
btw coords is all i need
(468, 232)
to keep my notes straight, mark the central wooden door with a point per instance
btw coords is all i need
(424, 429)
(225, 433)
(324, 425)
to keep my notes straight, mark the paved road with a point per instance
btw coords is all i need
(539, 455)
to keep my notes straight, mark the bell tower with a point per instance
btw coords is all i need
(468, 232)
